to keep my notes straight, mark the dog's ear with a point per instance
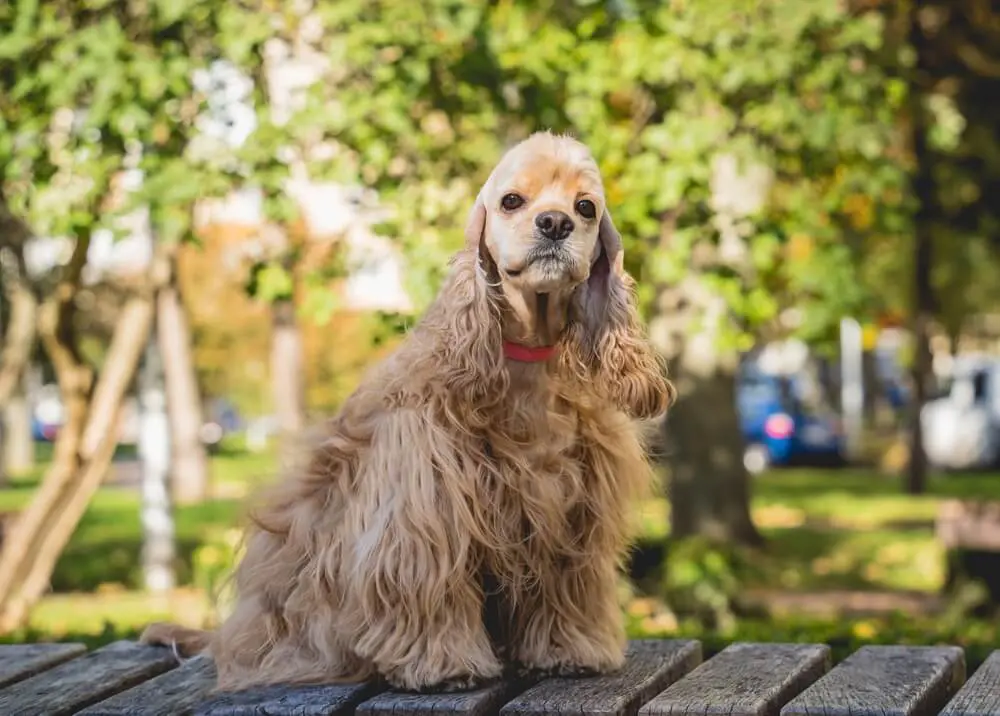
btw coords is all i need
(475, 237)
(610, 245)
(475, 224)
(466, 314)
(607, 343)
(602, 301)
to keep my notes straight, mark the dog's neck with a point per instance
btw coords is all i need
(533, 322)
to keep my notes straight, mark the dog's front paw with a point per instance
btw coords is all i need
(456, 685)
(565, 670)
(576, 671)
(421, 682)
(587, 659)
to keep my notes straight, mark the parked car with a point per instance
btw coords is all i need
(221, 419)
(43, 432)
(47, 414)
(962, 425)
(777, 426)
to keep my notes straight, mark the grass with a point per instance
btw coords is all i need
(826, 530)
(844, 529)
(106, 548)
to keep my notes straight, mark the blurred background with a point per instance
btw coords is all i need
(215, 215)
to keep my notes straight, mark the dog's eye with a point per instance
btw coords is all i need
(586, 208)
(510, 202)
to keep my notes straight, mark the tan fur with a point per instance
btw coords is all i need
(451, 463)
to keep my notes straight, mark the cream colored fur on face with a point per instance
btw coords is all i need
(452, 468)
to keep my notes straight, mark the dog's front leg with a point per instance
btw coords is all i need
(420, 619)
(413, 601)
(423, 641)
(572, 625)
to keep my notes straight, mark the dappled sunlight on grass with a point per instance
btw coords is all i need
(61, 616)
(809, 559)
(826, 530)
(842, 529)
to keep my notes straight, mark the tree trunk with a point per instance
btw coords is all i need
(85, 444)
(709, 486)
(189, 460)
(923, 188)
(286, 373)
(19, 339)
(155, 447)
(17, 448)
(17, 444)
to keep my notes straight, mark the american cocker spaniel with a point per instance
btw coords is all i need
(468, 508)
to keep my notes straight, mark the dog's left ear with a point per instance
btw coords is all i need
(608, 343)
(603, 300)
(610, 245)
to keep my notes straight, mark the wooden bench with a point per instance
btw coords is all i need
(659, 678)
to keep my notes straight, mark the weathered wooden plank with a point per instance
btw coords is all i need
(313, 700)
(885, 681)
(19, 661)
(480, 702)
(652, 665)
(174, 693)
(744, 680)
(85, 680)
(981, 695)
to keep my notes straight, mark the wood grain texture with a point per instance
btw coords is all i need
(480, 702)
(174, 693)
(885, 681)
(652, 665)
(744, 680)
(981, 695)
(314, 700)
(76, 684)
(19, 661)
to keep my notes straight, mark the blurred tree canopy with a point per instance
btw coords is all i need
(98, 117)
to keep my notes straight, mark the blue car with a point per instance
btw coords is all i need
(43, 432)
(778, 428)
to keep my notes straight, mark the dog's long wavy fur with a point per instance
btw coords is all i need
(444, 465)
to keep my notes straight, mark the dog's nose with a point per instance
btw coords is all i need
(554, 225)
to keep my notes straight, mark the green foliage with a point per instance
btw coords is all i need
(421, 99)
(212, 565)
(270, 282)
(701, 582)
(90, 90)
(418, 100)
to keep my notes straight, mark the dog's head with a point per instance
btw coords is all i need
(541, 224)
(540, 214)
(542, 231)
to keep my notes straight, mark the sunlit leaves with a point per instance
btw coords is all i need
(417, 100)
(89, 90)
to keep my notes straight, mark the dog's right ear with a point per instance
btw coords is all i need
(475, 225)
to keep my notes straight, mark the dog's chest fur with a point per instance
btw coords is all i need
(534, 487)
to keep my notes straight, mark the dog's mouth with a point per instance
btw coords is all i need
(547, 259)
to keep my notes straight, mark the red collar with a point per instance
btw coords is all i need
(527, 354)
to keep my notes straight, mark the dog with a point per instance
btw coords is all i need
(467, 510)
